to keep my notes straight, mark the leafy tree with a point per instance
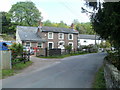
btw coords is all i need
(105, 20)
(52, 24)
(47, 23)
(62, 24)
(105, 45)
(6, 22)
(83, 28)
(25, 13)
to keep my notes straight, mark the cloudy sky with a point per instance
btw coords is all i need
(54, 10)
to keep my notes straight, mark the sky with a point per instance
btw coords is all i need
(54, 10)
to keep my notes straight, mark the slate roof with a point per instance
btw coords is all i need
(59, 30)
(92, 37)
(27, 33)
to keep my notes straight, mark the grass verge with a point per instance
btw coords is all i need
(99, 81)
(63, 56)
(15, 69)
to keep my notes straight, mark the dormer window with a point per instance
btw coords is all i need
(50, 35)
(70, 36)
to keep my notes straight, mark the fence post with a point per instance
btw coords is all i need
(74, 50)
(24, 57)
(28, 56)
(46, 54)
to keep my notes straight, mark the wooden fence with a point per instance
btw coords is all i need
(54, 52)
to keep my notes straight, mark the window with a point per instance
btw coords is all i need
(61, 44)
(27, 44)
(71, 44)
(50, 35)
(40, 45)
(61, 35)
(70, 36)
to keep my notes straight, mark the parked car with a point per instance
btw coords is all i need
(28, 49)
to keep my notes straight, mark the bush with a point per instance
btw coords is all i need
(17, 50)
(113, 58)
(90, 48)
(68, 48)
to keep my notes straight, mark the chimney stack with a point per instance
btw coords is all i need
(72, 26)
(40, 24)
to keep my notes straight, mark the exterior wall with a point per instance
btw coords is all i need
(88, 41)
(56, 39)
(112, 75)
(5, 60)
(33, 44)
(18, 40)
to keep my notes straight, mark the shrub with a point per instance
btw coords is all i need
(90, 48)
(68, 48)
(114, 58)
(16, 49)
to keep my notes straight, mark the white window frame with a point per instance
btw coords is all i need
(69, 35)
(60, 42)
(41, 44)
(49, 35)
(71, 43)
(62, 36)
(52, 44)
(63, 44)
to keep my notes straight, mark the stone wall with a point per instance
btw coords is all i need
(112, 75)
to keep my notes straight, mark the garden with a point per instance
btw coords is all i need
(20, 60)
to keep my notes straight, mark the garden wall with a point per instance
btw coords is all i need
(5, 59)
(112, 75)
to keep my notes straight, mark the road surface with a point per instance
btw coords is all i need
(70, 72)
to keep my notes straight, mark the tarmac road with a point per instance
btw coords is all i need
(71, 72)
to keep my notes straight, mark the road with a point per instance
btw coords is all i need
(71, 72)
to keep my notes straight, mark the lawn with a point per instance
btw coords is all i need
(99, 81)
(15, 69)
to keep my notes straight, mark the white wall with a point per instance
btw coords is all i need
(18, 40)
(88, 41)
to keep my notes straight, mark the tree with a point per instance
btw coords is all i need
(62, 25)
(83, 28)
(52, 24)
(47, 23)
(105, 20)
(6, 22)
(25, 13)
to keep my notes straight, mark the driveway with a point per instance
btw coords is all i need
(70, 72)
(39, 64)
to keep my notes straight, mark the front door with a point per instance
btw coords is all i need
(50, 45)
